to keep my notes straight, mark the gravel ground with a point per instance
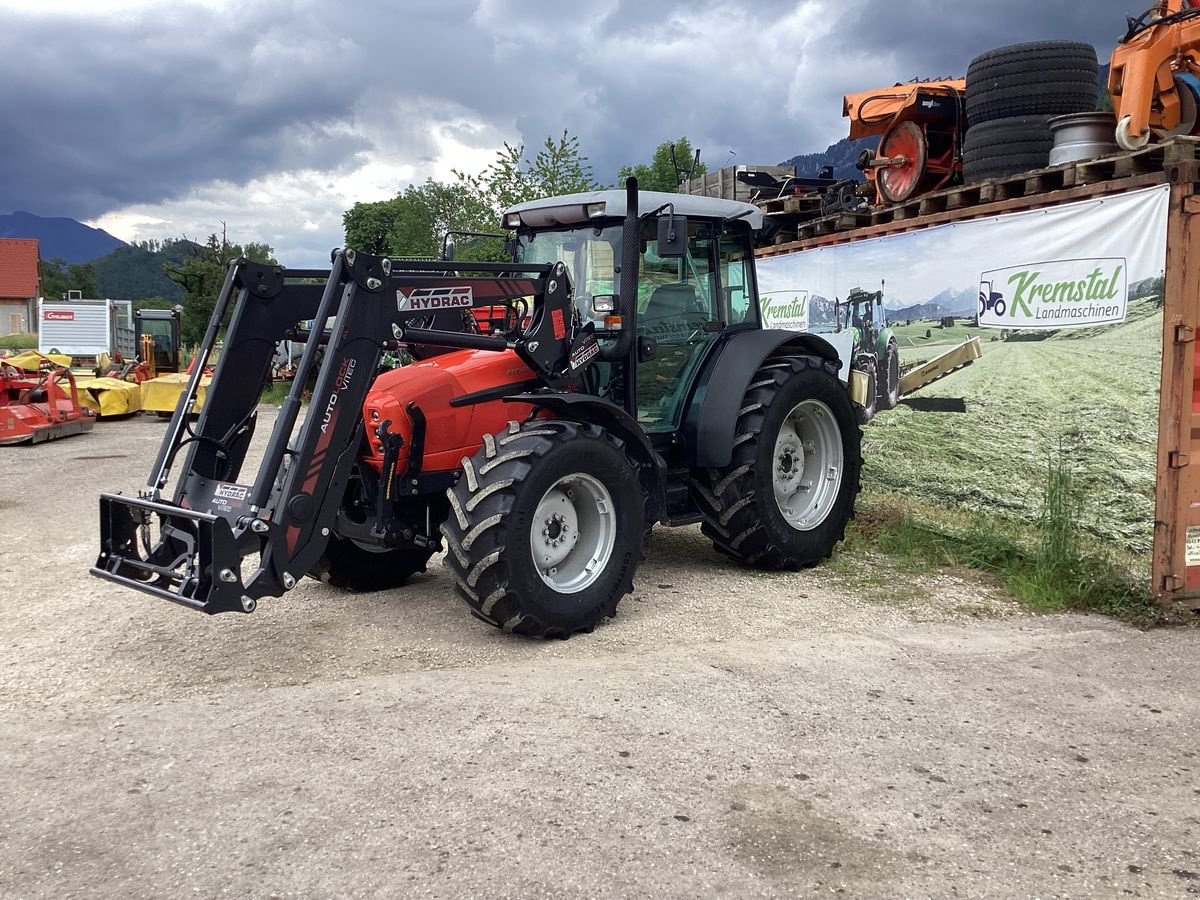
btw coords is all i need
(730, 733)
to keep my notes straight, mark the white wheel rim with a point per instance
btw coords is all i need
(573, 533)
(807, 465)
(1129, 142)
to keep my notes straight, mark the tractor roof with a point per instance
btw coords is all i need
(574, 209)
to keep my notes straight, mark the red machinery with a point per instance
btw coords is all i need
(921, 124)
(40, 406)
(1153, 76)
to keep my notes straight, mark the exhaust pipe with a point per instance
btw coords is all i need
(623, 348)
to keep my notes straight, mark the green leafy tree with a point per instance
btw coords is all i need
(58, 277)
(414, 223)
(138, 271)
(558, 168)
(662, 174)
(201, 276)
(369, 226)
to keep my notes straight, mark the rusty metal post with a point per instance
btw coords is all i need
(1176, 561)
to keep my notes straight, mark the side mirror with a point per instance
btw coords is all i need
(448, 248)
(672, 236)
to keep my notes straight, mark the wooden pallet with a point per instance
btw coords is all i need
(1149, 161)
(792, 203)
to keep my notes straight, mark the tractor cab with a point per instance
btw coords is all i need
(863, 313)
(157, 332)
(694, 284)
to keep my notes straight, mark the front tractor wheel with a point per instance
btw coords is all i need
(545, 528)
(785, 498)
(889, 383)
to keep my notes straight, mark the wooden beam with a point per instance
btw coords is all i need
(964, 213)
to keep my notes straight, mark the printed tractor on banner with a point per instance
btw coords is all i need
(875, 351)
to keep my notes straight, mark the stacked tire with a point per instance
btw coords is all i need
(1012, 93)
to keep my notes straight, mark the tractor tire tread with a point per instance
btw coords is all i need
(726, 497)
(1040, 77)
(477, 548)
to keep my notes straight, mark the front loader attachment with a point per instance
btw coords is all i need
(225, 539)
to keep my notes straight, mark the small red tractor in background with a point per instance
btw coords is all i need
(1153, 75)
(632, 380)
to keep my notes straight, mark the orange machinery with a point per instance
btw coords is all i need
(921, 124)
(1153, 76)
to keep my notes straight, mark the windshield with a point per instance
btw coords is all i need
(590, 255)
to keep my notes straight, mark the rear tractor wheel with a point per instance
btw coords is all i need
(358, 566)
(546, 527)
(785, 498)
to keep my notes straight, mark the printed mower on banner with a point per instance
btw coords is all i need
(622, 376)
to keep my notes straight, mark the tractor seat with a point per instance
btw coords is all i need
(671, 302)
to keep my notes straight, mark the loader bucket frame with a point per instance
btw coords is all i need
(221, 541)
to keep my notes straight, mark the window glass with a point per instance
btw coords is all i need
(735, 278)
(677, 307)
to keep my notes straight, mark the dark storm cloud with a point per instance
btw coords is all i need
(138, 109)
(936, 38)
(853, 46)
(144, 107)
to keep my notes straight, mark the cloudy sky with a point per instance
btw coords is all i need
(155, 120)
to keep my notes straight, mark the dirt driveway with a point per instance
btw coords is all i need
(729, 734)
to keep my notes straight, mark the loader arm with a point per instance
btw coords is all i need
(224, 541)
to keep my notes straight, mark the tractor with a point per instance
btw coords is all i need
(620, 378)
(874, 351)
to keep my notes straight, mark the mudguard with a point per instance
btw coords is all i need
(712, 415)
(586, 408)
(886, 336)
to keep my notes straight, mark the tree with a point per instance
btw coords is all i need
(58, 278)
(414, 223)
(558, 168)
(202, 275)
(662, 174)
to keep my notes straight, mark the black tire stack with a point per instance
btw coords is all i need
(1012, 93)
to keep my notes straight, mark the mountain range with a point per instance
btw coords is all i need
(821, 310)
(59, 237)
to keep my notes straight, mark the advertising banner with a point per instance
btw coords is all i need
(1066, 266)
(1054, 294)
(784, 309)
